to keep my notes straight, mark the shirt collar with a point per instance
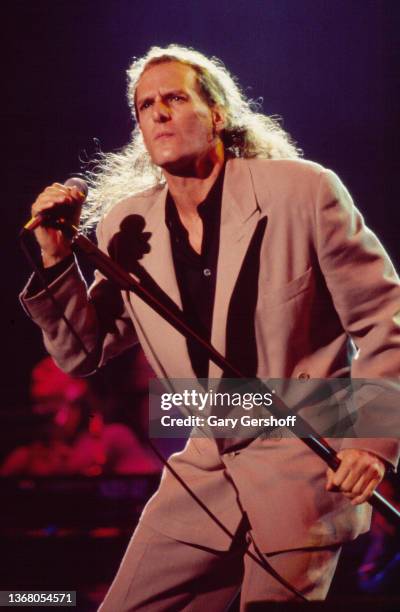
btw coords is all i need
(208, 210)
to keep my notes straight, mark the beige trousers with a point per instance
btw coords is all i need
(160, 574)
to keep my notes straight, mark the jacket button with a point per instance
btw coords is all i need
(303, 376)
(276, 434)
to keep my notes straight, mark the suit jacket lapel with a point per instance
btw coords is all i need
(239, 217)
(172, 351)
(158, 262)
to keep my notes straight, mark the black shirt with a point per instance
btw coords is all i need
(49, 275)
(196, 273)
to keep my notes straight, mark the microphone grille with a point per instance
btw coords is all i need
(74, 181)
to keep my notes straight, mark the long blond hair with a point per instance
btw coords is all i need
(248, 133)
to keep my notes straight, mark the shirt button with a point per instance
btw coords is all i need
(207, 272)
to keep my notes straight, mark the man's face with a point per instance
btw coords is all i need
(179, 128)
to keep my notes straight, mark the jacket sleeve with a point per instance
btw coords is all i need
(361, 279)
(96, 325)
(366, 293)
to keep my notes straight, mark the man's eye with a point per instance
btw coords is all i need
(145, 104)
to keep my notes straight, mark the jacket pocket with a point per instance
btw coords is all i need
(273, 296)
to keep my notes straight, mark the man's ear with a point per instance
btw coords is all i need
(218, 118)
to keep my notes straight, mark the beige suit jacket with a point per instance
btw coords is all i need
(323, 277)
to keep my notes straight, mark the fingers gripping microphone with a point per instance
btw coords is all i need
(58, 211)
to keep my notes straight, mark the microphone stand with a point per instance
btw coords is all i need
(302, 429)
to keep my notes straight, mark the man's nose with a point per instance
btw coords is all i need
(161, 112)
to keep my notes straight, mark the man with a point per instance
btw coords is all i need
(229, 212)
(73, 438)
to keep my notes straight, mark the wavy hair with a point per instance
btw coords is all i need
(248, 133)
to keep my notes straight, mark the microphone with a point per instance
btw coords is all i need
(58, 211)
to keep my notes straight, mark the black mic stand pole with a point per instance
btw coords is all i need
(279, 409)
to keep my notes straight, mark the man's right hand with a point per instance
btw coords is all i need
(54, 245)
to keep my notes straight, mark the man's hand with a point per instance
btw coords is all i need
(358, 475)
(54, 245)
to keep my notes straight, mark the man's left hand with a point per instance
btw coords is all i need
(358, 475)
